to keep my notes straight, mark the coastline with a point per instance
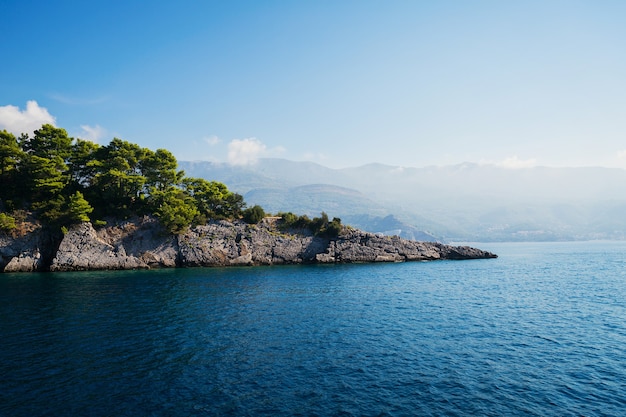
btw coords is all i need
(141, 243)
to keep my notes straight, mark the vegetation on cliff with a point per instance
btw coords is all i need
(64, 181)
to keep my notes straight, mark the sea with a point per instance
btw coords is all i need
(539, 331)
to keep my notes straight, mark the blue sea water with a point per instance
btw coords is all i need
(540, 331)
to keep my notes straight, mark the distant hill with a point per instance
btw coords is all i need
(314, 198)
(352, 206)
(452, 203)
(389, 225)
(282, 185)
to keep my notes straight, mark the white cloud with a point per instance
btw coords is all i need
(245, 151)
(19, 121)
(513, 162)
(92, 133)
(212, 140)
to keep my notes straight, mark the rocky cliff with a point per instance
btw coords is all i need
(142, 243)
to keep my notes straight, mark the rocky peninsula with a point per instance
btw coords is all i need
(55, 188)
(142, 243)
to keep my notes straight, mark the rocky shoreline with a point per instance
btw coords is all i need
(143, 244)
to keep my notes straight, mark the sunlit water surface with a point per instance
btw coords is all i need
(539, 331)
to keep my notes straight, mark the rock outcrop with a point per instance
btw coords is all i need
(142, 243)
(29, 252)
(138, 244)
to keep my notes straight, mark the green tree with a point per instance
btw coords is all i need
(213, 199)
(7, 223)
(45, 174)
(175, 209)
(320, 226)
(333, 228)
(253, 214)
(161, 169)
(234, 205)
(288, 219)
(319, 223)
(51, 211)
(82, 163)
(11, 153)
(293, 221)
(11, 156)
(78, 208)
(118, 184)
(49, 142)
(302, 222)
(47, 179)
(58, 177)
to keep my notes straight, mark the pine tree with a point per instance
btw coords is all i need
(78, 208)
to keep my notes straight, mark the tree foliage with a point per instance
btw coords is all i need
(78, 208)
(48, 142)
(11, 156)
(63, 180)
(175, 209)
(10, 153)
(319, 226)
(254, 214)
(7, 223)
(213, 199)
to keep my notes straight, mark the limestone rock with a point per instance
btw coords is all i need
(142, 243)
(358, 246)
(28, 261)
(27, 253)
(137, 244)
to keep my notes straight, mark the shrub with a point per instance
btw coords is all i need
(7, 223)
(333, 228)
(288, 218)
(320, 226)
(254, 214)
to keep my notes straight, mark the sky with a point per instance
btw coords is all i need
(341, 83)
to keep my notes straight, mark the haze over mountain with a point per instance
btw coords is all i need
(462, 202)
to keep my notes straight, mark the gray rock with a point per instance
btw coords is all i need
(358, 246)
(26, 253)
(142, 243)
(28, 261)
(138, 244)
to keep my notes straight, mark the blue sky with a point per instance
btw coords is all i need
(341, 83)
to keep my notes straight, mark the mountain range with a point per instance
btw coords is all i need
(464, 202)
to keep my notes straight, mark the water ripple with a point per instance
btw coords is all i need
(537, 332)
